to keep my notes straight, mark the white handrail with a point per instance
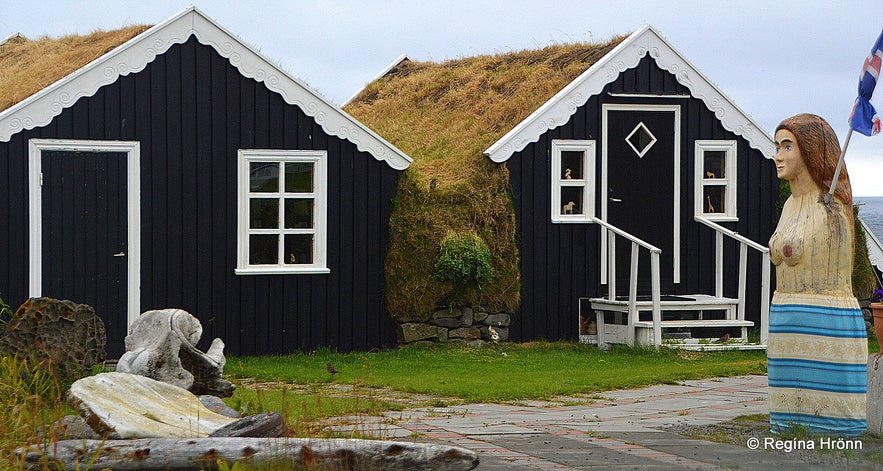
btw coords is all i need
(625, 234)
(732, 234)
(655, 291)
(744, 242)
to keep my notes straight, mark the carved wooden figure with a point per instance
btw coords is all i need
(817, 349)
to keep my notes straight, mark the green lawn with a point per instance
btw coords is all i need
(503, 372)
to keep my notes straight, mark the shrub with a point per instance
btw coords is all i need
(463, 260)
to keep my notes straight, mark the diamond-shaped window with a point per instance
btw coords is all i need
(641, 139)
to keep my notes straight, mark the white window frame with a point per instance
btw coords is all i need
(320, 216)
(587, 182)
(729, 147)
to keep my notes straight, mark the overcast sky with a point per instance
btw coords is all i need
(772, 58)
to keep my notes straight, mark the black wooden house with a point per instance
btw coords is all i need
(641, 146)
(183, 169)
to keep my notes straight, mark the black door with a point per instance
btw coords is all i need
(640, 186)
(84, 235)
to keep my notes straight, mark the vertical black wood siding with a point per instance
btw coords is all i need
(560, 263)
(192, 111)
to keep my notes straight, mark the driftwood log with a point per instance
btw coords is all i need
(175, 454)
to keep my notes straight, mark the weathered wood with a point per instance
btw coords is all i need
(875, 394)
(205, 453)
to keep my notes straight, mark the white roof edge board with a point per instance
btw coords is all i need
(135, 54)
(626, 55)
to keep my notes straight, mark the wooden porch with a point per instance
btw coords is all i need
(688, 321)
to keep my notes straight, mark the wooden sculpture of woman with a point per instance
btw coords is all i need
(817, 350)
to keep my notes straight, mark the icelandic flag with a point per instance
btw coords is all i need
(864, 118)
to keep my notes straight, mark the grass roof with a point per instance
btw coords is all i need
(28, 66)
(444, 115)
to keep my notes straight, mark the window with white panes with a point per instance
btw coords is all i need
(282, 215)
(715, 196)
(573, 181)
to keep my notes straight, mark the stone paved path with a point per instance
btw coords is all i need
(614, 430)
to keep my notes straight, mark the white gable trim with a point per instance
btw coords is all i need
(135, 54)
(558, 110)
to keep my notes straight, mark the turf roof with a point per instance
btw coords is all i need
(444, 115)
(28, 66)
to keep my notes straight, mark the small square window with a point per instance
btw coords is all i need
(715, 195)
(263, 177)
(298, 177)
(715, 199)
(282, 212)
(572, 165)
(263, 213)
(299, 249)
(715, 164)
(263, 249)
(641, 139)
(572, 200)
(298, 213)
(572, 185)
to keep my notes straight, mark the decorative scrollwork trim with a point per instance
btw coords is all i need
(137, 53)
(558, 110)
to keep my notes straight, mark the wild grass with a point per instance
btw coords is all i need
(28, 66)
(31, 400)
(304, 411)
(503, 372)
(445, 115)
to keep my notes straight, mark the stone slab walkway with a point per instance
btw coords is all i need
(622, 429)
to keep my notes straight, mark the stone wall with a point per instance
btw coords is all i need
(464, 323)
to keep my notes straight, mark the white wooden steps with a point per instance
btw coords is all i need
(683, 316)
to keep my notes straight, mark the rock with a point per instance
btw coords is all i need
(274, 453)
(468, 317)
(441, 313)
(447, 322)
(68, 336)
(479, 316)
(502, 332)
(497, 320)
(72, 427)
(414, 331)
(162, 345)
(122, 405)
(267, 425)
(465, 333)
(216, 405)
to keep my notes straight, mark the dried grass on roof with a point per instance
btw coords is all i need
(28, 66)
(445, 115)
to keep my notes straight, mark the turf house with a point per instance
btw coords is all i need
(174, 166)
(618, 190)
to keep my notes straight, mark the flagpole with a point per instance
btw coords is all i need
(830, 195)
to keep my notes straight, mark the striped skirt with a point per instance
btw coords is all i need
(817, 364)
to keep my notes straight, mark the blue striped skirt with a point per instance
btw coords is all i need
(817, 364)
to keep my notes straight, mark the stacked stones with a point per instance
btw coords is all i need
(447, 324)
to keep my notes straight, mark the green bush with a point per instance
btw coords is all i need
(463, 260)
